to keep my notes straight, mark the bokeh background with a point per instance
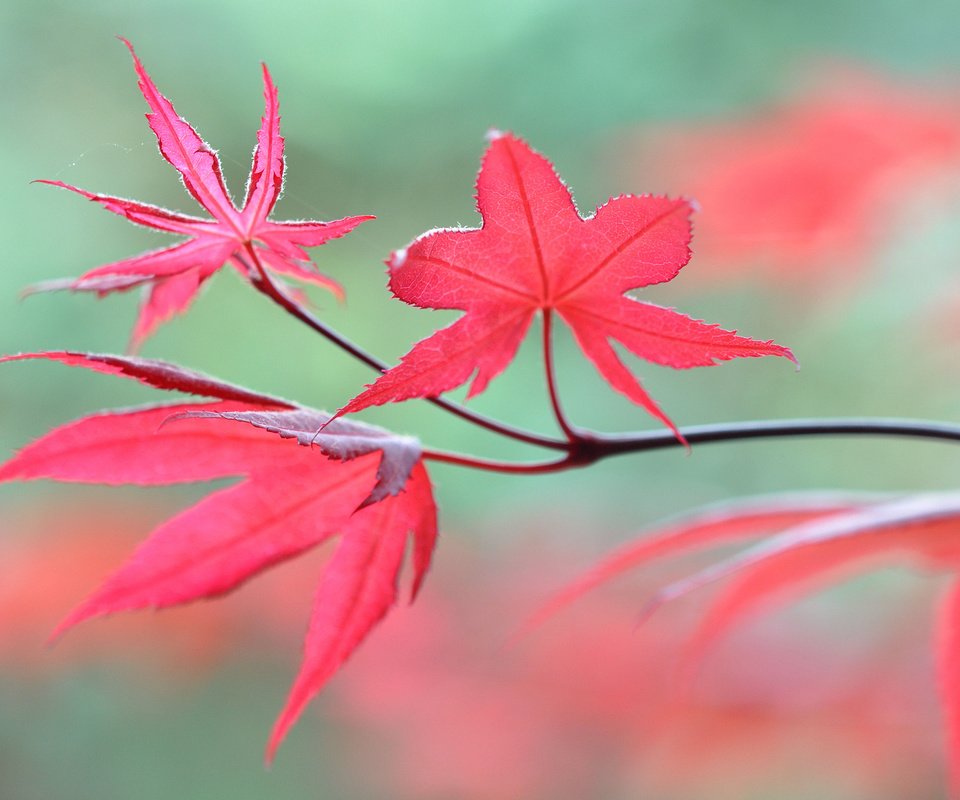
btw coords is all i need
(822, 140)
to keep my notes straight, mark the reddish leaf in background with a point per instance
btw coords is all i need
(798, 189)
(724, 524)
(535, 253)
(290, 500)
(948, 673)
(52, 556)
(172, 276)
(815, 547)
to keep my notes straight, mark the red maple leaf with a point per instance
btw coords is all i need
(367, 485)
(173, 275)
(535, 253)
(815, 542)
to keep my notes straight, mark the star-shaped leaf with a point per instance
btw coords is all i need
(173, 275)
(536, 254)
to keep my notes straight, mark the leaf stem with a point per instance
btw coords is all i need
(568, 430)
(263, 283)
(488, 465)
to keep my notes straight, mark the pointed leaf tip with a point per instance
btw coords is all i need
(156, 374)
(358, 588)
(127, 43)
(74, 618)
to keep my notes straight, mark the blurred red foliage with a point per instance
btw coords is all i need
(587, 706)
(590, 706)
(808, 186)
(53, 558)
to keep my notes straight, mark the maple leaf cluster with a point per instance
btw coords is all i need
(306, 476)
(289, 501)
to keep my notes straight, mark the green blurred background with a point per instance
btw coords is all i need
(385, 106)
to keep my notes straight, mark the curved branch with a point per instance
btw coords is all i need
(584, 447)
(263, 283)
(488, 465)
(588, 448)
(609, 445)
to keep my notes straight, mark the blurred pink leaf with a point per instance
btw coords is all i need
(807, 186)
